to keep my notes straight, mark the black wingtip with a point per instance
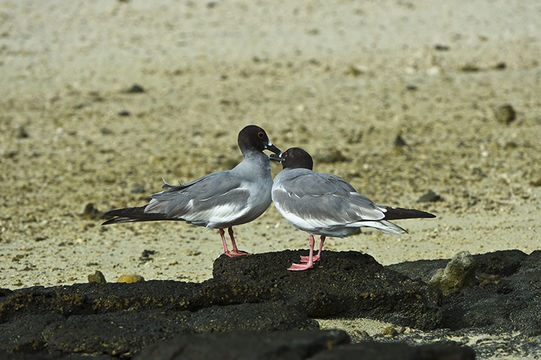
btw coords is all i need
(400, 213)
(134, 214)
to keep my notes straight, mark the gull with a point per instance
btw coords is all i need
(218, 200)
(327, 205)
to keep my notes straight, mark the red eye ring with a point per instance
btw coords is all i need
(261, 135)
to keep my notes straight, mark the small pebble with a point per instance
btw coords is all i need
(536, 183)
(138, 189)
(22, 133)
(135, 89)
(505, 114)
(97, 277)
(147, 255)
(458, 273)
(470, 68)
(500, 66)
(430, 196)
(441, 47)
(331, 156)
(354, 70)
(130, 279)
(90, 212)
(392, 331)
(399, 141)
(124, 113)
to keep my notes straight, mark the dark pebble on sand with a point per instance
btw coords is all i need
(97, 277)
(22, 133)
(505, 114)
(330, 156)
(138, 189)
(441, 47)
(135, 89)
(399, 141)
(90, 212)
(430, 196)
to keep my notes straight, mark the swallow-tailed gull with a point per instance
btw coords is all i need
(327, 205)
(218, 200)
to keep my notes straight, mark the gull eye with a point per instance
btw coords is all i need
(261, 135)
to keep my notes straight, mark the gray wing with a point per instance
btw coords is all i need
(315, 200)
(217, 196)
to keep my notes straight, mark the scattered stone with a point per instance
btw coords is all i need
(500, 66)
(411, 87)
(90, 212)
(331, 156)
(354, 137)
(106, 131)
(138, 189)
(130, 279)
(97, 277)
(510, 145)
(355, 70)
(458, 274)
(536, 183)
(147, 255)
(391, 331)
(135, 89)
(430, 196)
(124, 113)
(399, 141)
(470, 68)
(22, 133)
(441, 47)
(505, 114)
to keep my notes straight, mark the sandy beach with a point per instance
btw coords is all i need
(397, 97)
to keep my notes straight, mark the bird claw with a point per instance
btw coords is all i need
(305, 259)
(300, 267)
(233, 254)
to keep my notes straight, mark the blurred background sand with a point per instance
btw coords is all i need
(397, 97)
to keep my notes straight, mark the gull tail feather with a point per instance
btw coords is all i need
(395, 213)
(132, 214)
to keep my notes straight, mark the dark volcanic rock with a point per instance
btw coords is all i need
(122, 318)
(258, 296)
(340, 284)
(371, 350)
(247, 345)
(504, 296)
(127, 332)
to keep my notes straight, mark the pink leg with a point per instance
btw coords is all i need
(236, 251)
(318, 255)
(310, 263)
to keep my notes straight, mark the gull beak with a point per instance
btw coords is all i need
(275, 157)
(273, 148)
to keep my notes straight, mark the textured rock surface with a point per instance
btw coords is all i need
(342, 284)
(255, 300)
(371, 350)
(504, 295)
(244, 345)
